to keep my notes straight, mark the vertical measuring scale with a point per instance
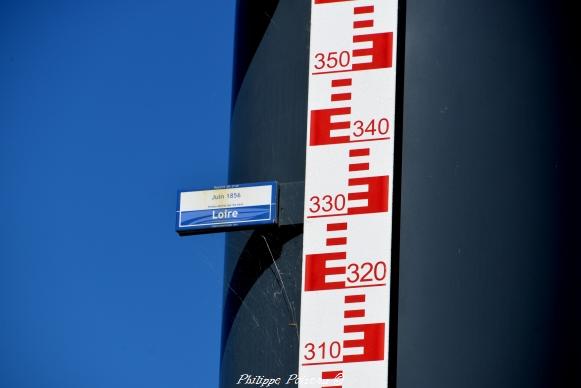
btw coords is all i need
(345, 301)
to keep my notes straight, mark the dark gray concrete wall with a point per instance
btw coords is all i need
(268, 137)
(489, 216)
(482, 269)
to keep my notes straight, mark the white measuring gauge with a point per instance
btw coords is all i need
(345, 298)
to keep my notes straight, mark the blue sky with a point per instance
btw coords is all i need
(106, 109)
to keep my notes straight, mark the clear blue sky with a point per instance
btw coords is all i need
(106, 109)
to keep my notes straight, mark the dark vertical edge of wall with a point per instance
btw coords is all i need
(396, 215)
(569, 165)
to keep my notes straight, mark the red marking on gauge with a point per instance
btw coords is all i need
(376, 194)
(335, 376)
(372, 344)
(358, 152)
(328, 215)
(331, 71)
(366, 140)
(372, 199)
(359, 167)
(368, 285)
(336, 241)
(363, 23)
(318, 266)
(360, 298)
(336, 226)
(322, 126)
(341, 97)
(331, 375)
(322, 363)
(330, 1)
(364, 9)
(327, 125)
(380, 51)
(360, 313)
(336, 83)
(316, 271)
